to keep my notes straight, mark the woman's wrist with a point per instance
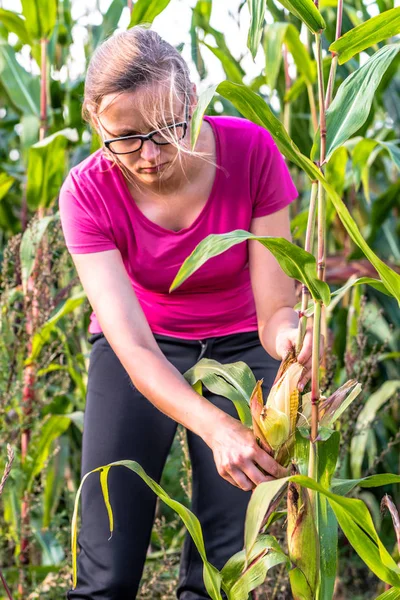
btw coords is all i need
(283, 319)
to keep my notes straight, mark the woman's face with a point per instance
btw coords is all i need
(117, 116)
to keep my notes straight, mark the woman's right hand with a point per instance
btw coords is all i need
(237, 454)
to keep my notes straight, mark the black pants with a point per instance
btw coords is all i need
(120, 423)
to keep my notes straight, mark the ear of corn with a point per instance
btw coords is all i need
(275, 423)
(303, 544)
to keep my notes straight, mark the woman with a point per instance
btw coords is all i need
(131, 213)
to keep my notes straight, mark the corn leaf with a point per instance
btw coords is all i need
(364, 421)
(345, 486)
(307, 12)
(234, 567)
(392, 594)
(40, 17)
(15, 24)
(145, 11)
(23, 89)
(234, 381)
(253, 107)
(43, 334)
(51, 429)
(327, 522)
(274, 36)
(328, 452)
(212, 577)
(374, 30)
(257, 12)
(197, 117)
(351, 105)
(294, 261)
(357, 525)
(6, 182)
(46, 167)
(261, 499)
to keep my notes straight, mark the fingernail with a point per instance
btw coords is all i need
(301, 387)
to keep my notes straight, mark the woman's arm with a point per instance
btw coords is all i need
(110, 293)
(275, 297)
(274, 291)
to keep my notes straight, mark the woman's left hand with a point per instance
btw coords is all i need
(286, 340)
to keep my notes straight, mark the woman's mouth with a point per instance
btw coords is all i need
(153, 169)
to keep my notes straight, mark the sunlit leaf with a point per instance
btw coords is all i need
(374, 30)
(294, 261)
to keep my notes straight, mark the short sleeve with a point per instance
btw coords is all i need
(274, 187)
(82, 232)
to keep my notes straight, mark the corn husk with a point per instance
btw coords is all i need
(274, 423)
(332, 407)
(303, 544)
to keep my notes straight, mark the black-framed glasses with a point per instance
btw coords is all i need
(133, 143)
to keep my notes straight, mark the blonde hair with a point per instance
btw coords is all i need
(139, 59)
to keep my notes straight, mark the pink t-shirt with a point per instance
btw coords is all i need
(98, 213)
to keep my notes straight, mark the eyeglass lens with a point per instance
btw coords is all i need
(164, 136)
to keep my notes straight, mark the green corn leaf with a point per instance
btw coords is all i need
(23, 89)
(110, 22)
(294, 261)
(233, 381)
(145, 11)
(257, 12)
(345, 486)
(235, 566)
(46, 167)
(104, 488)
(328, 453)
(307, 12)
(374, 30)
(51, 429)
(212, 577)
(364, 421)
(351, 105)
(54, 481)
(6, 182)
(327, 523)
(392, 594)
(15, 24)
(357, 525)
(228, 63)
(255, 574)
(40, 17)
(253, 107)
(274, 36)
(260, 500)
(197, 117)
(42, 336)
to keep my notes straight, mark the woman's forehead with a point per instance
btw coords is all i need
(138, 108)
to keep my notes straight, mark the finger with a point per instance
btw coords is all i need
(266, 462)
(255, 475)
(305, 377)
(242, 481)
(232, 481)
(306, 350)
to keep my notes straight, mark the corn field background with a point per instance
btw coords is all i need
(45, 314)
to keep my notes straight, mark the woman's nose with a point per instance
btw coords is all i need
(149, 151)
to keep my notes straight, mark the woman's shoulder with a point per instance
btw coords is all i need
(240, 132)
(94, 169)
(235, 123)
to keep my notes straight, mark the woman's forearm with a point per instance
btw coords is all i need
(165, 387)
